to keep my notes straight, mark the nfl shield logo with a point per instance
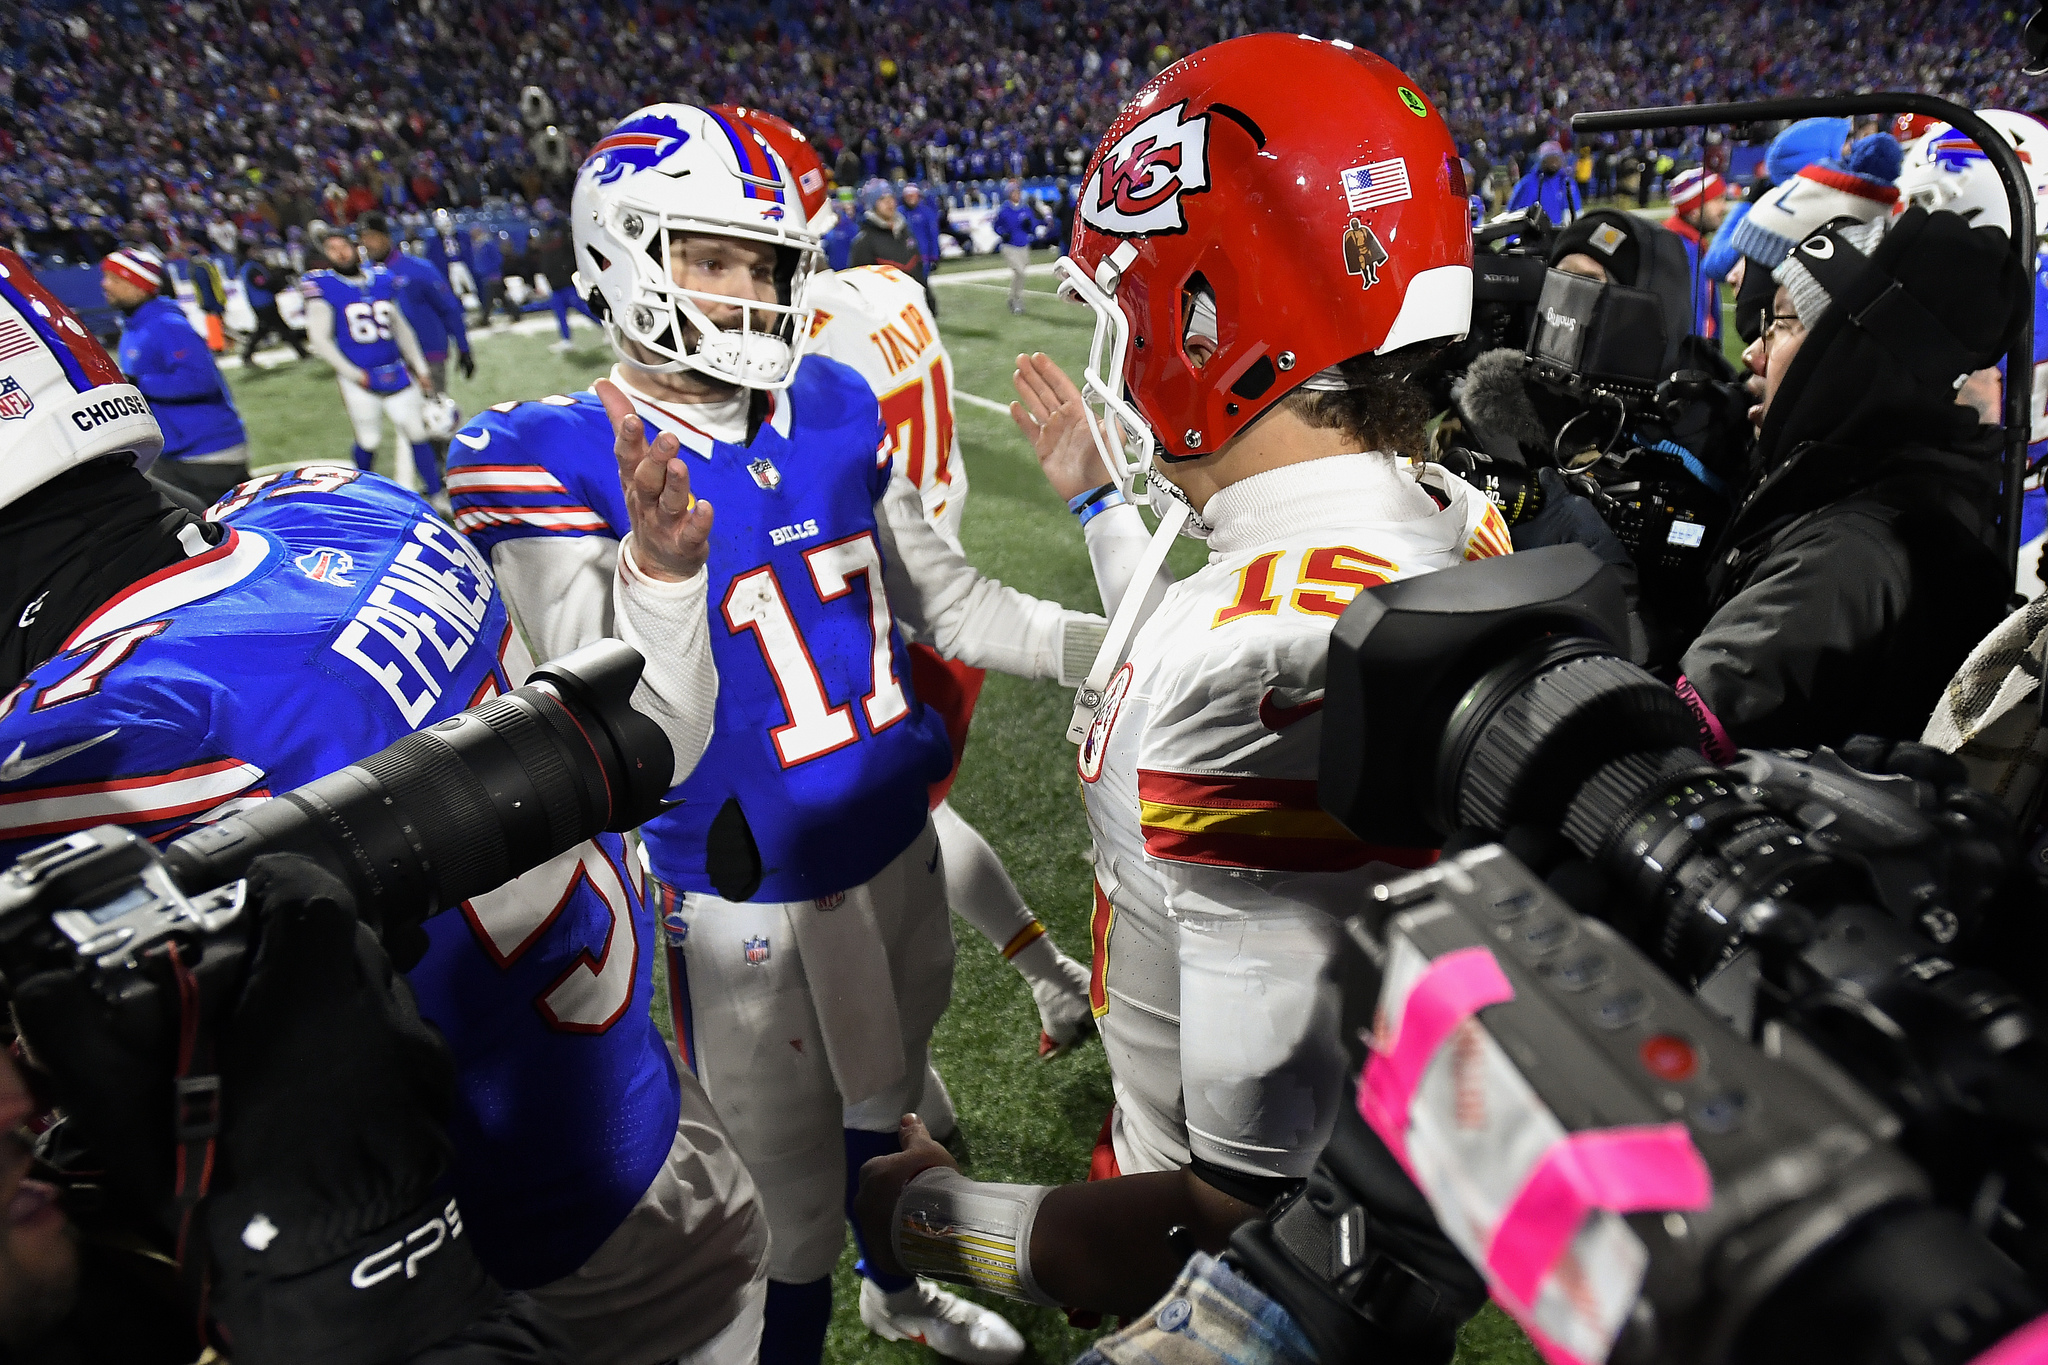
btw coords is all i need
(757, 951)
(15, 402)
(765, 474)
(831, 902)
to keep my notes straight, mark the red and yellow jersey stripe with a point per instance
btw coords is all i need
(1490, 537)
(1265, 823)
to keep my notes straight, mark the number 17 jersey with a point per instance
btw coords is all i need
(822, 753)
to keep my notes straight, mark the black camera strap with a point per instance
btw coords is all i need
(1880, 306)
(195, 1118)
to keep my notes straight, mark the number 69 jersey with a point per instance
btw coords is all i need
(363, 309)
(1219, 881)
(335, 615)
(821, 753)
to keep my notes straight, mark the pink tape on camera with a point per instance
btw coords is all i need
(1623, 1170)
(2028, 1346)
(1455, 987)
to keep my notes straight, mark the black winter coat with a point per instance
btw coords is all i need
(1863, 564)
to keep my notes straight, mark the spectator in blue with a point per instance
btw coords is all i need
(1016, 225)
(1550, 184)
(260, 282)
(923, 221)
(429, 305)
(839, 239)
(1792, 151)
(487, 261)
(206, 452)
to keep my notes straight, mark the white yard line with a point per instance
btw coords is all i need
(978, 401)
(1001, 272)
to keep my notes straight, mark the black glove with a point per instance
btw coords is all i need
(465, 364)
(326, 1240)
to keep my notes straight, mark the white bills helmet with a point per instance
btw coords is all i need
(1947, 170)
(441, 417)
(670, 171)
(63, 401)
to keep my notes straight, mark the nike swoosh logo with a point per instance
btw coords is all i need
(16, 767)
(477, 442)
(933, 865)
(1276, 717)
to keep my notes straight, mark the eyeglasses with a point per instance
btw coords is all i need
(1775, 324)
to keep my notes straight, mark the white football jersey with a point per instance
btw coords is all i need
(875, 319)
(1220, 883)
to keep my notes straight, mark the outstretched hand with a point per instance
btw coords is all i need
(1055, 420)
(881, 1186)
(671, 527)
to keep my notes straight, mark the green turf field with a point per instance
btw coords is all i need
(1024, 1120)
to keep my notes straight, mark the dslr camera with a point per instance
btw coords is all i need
(444, 814)
(1694, 1064)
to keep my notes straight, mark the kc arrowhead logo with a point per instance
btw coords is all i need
(1136, 187)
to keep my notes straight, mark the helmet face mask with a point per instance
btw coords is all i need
(667, 174)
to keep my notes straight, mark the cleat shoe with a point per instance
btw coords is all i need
(1062, 1000)
(949, 1324)
(561, 345)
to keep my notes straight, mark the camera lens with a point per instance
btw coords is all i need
(1691, 850)
(469, 803)
(1532, 729)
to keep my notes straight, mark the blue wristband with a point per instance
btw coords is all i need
(1092, 504)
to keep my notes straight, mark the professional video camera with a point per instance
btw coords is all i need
(442, 815)
(1604, 382)
(1737, 1083)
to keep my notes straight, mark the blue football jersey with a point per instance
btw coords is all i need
(818, 735)
(336, 615)
(363, 308)
(2034, 509)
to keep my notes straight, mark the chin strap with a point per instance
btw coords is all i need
(1130, 614)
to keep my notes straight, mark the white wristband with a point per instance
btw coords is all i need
(953, 1228)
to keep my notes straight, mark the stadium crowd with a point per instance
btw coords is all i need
(256, 117)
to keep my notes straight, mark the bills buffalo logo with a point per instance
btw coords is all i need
(773, 213)
(642, 145)
(1137, 185)
(674, 925)
(327, 566)
(14, 399)
(756, 950)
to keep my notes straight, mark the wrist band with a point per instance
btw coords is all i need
(951, 1228)
(1095, 502)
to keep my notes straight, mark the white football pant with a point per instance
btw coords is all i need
(810, 1017)
(407, 411)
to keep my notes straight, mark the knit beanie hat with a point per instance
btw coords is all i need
(1802, 144)
(1810, 297)
(1818, 194)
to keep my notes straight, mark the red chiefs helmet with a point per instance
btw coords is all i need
(1910, 128)
(796, 152)
(1305, 189)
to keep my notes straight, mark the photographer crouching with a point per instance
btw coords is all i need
(1860, 568)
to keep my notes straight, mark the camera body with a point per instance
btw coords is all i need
(437, 817)
(1775, 993)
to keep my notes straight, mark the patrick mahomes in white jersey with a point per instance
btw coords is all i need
(876, 319)
(1265, 273)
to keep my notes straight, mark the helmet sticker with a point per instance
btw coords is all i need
(1363, 254)
(1137, 185)
(1376, 184)
(639, 144)
(1414, 102)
